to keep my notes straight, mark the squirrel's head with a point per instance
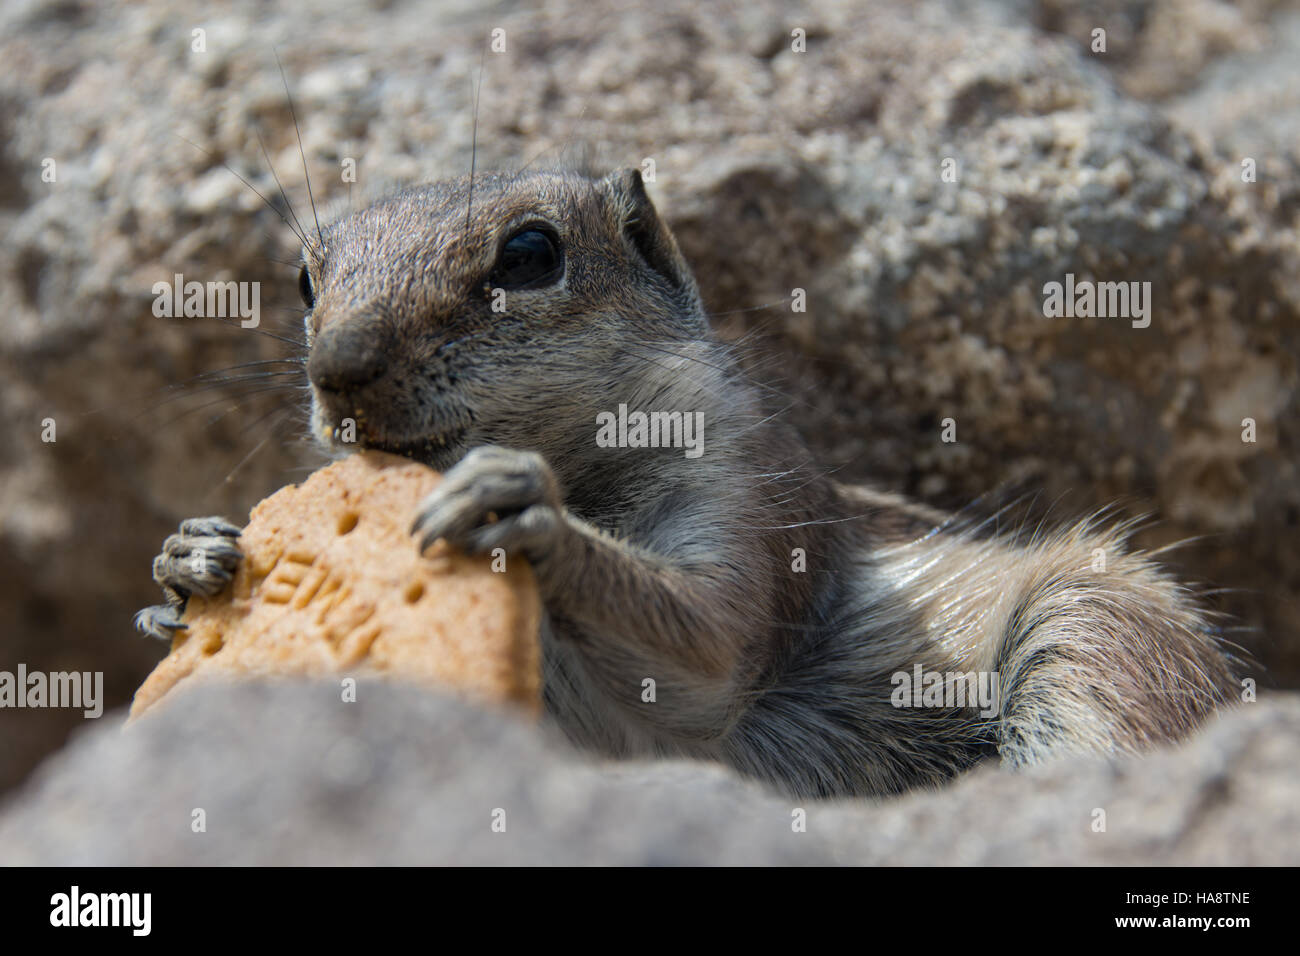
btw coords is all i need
(438, 321)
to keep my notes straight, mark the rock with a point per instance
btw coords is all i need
(779, 170)
(288, 774)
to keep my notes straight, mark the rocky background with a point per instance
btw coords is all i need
(778, 169)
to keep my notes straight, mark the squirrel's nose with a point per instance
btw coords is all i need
(348, 356)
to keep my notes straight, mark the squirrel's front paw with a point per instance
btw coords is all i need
(494, 498)
(200, 559)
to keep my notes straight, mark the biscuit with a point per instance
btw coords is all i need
(332, 584)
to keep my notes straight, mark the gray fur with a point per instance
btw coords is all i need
(653, 565)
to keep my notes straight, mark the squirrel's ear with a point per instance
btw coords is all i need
(646, 232)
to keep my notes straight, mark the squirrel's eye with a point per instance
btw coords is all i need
(531, 257)
(305, 289)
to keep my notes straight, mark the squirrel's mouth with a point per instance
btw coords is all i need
(432, 450)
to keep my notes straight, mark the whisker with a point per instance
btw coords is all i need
(286, 413)
(753, 308)
(473, 151)
(258, 330)
(170, 394)
(230, 169)
(301, 152)
(212, 380)
(562, 145)
(238, 402)
(772, 390)
(276, 176)
(257, 421)
(291, 263)
(241, 463)
(243, 365)
(183, 389)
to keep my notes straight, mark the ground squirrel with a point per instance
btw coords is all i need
(488, 326)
